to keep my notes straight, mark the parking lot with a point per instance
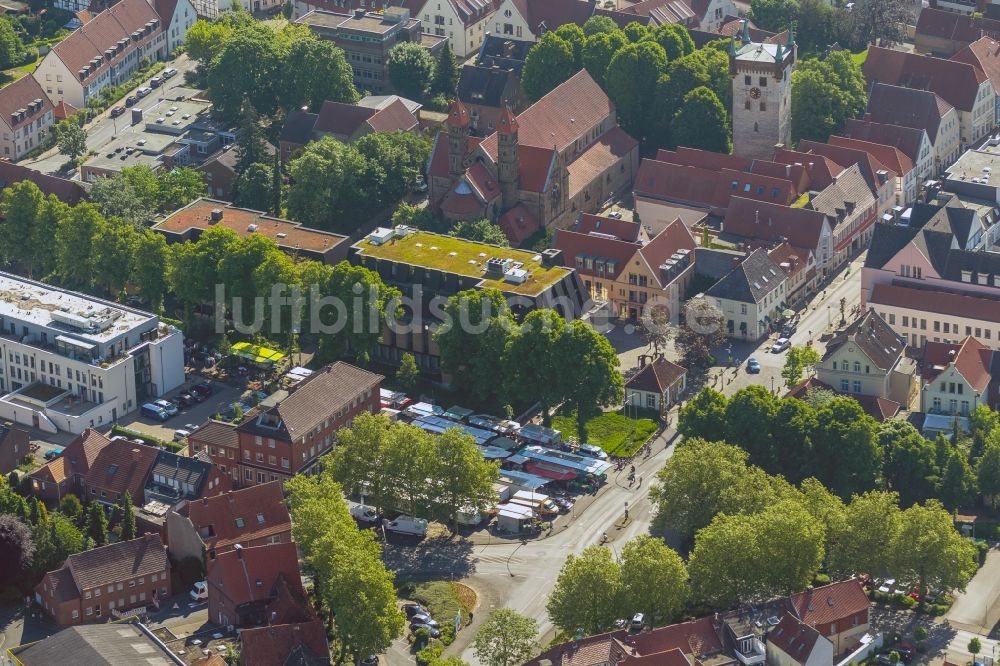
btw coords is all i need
(222, 398)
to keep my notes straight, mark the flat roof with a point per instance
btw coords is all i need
(287, 234)
(372, 23)
(976, 164)
(463, 257)
(27, 301)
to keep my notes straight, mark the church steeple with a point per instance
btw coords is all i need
(508, 164)
(458, 137)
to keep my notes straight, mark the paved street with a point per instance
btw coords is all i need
(977, 609)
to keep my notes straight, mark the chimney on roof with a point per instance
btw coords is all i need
(239, 551)
(216, 214)
(136, 454)
(951, 354)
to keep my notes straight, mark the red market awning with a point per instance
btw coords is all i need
(550, 471)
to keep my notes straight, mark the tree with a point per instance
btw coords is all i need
(586, 592)
(22, 205)
(315, 71)
(825, 93)
(117, 198)
(12, 49)
(880, 22)
(594, 373)
(958, 482)
(419, 217)
(575, 37)
(597, 24)
(630, 81)
(74, 244)
(97, 524)
(410, 462)
(989, 473)
(463, 478)
(17, 548)
(204, 40)
(984, 426)
(674, 38)
(394, 162)
(474, 333)
(929, 550)
(845, 453)
(773, 15)
(70, 506)
(549, 62)
(636, 32)
(702, 122)
(179, 187)
(909, 464)
(326, 185)
(150, 263)
(482, 231)
(704, 67)
(797, 361)
(71, 139)
(654, 579)
(248, 68)
(253, 188)
(129, 530)
(351, 580)
(446, 72)
(408, 373)
(411, 69)
(704, 416)
(975, 646)
(536, 360)
(704, 329)
(749, 416)
(114, 248)
(598, 50)
(251, 146)
(61, 539)
(872, 523)
(689, 488)
(367, 299)
(358, 461)
(507, 638)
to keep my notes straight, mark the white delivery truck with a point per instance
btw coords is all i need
(408, 525)
(541, 503)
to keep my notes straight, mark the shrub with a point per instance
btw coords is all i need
(908, 602)
(821, 579)
(420, 638)
(983, 548)
(920, 633)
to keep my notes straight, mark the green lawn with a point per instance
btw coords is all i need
(442, 598)
(860, 57)
(615, 433)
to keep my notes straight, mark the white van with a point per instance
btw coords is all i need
(365, 514)
(541, 503)
(408, 525)
(200, 591)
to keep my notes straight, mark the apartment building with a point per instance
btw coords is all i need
(957, 377)
(913, 142)
(71, 361)
(100, 584)
(465, 23)
(921, 110)
(26, 114)
(289, 437)
(751, 297)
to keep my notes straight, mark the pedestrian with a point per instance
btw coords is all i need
(640, 482)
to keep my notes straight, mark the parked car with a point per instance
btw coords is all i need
(190, 427)
(593, 451)
(564, 503)
(615, 215)
(168, 73)
(365, 514)
(156, 82)
(131, 100)
(153, 411)
(753, 366)
(408, 525)
(887, 585)
(186, 399)
(781, 345)
(414, 609)
(200, 591)
(788, 329)
(143, 91)
(167, 406)
(370, 660)
(52, 454)
(180, 434)
(637, 623)
(117, 111)
(203, 389)
(424, 618)
(433, 631)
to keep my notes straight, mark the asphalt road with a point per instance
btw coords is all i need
(977, 609)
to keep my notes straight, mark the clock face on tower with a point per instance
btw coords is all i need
(755, 93)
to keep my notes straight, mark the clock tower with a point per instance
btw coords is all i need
(762, 94)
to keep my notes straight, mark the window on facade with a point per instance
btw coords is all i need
(650, 401)
(857, 386)
(240, 523)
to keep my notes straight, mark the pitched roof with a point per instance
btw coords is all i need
(458, 115)
(107, 644)
(868, 164)
(905, 139)
(800, 227)
(820, 169)
(471, 11)
(794, 638)
(218, 433)
(947, 25)
(755, 277)
(438, 162)
(68, 191)
(518, 224)
(246, 575)
(830, 603)
(19, 96)
(347, 119)
(182, 476)
(874, 337)
(890, 156)
(485, 85)
(656, 377)
(674, 238)
(579, 244)
(277, 644)
(298, 127)
(896, 105)
(544, 15)
(955, 82)
(260, 509)
(558, 119)
(118, 561)
(649, 12)
(121, 465)
(78, 457)
(971, 358)
(598, 157)
(622, 229)
(984, 55)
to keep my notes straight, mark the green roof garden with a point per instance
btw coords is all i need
(462, 257)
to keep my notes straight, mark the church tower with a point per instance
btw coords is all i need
(458, 138)
(762, 94)
(508, 166)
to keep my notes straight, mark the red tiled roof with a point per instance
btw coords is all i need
(270, 646)
(439, 154)
(251, 574)
(558, 118)
(905, 139)
(794, 638)
(118, 561)
(984, 55)
(218, 515)
(536, 165)
(544, 15)
(121, 465)
(792, 256)
(462, 203)
(891, 157)
(939, 302)
(518, 224)
(867, 163)
(68, 191)
(17, 96)
(458, 115)
(956, 82)
(393, 118)
(951, 25)
(708, 187)
(674, 237)
(626, 230)
(76, 458)
(64, 110)
(508, 122)
(830, 603)
(340, 118)
(610, 147)
(972, 360)
(770, 222)
(575, 243)
(705, 159)
(821, 169)
(656, 377)
(485, 184)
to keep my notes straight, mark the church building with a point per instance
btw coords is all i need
(762, 94)
(562, 156)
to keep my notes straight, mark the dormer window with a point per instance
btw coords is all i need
(240, 523)
(260, 519)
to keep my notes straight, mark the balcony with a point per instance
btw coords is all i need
(750, 651)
